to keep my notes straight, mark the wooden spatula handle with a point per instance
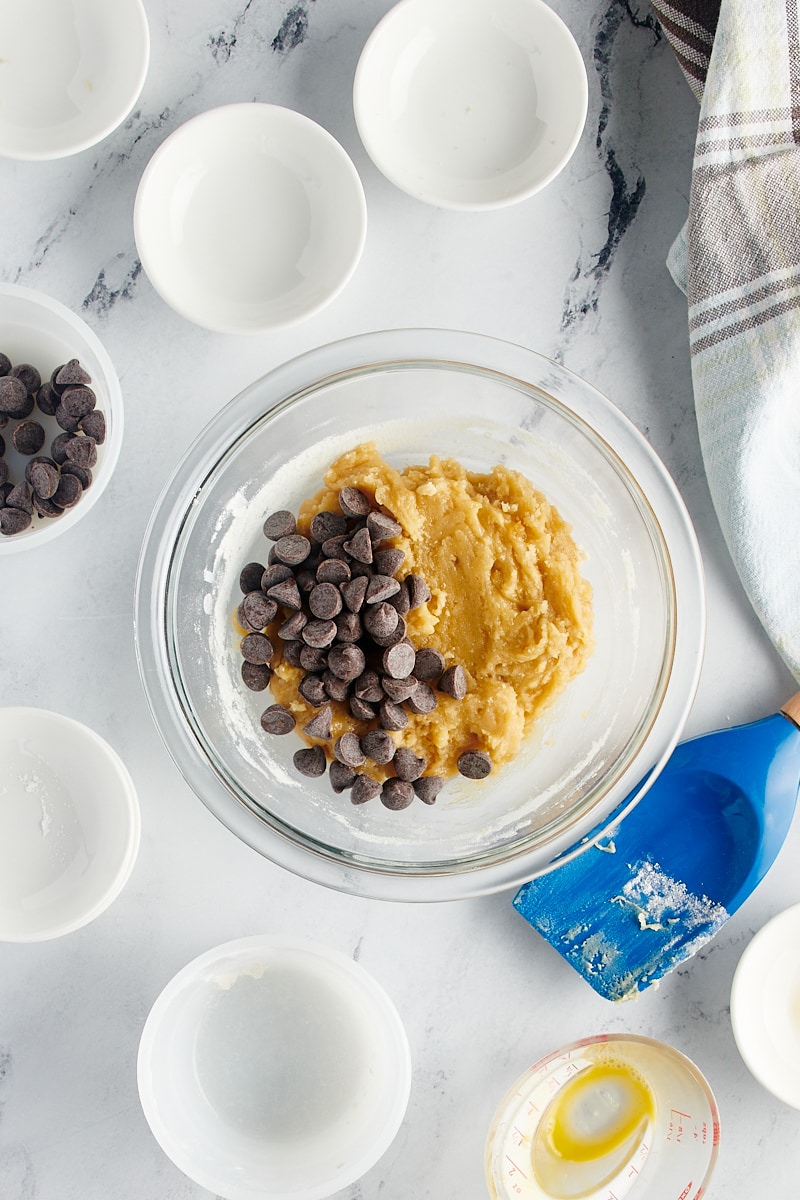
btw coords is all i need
(791, 709)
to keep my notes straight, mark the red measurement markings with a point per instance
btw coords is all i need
(511, 1173)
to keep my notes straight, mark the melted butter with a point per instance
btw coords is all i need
(591, 1128)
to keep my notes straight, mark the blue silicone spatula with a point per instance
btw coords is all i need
(656, 888)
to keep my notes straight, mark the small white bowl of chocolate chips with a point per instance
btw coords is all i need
(60, 418)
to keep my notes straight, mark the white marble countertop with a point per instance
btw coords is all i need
(576, 273)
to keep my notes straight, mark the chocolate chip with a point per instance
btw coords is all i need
(388, 562)
(306, 579)
(58, 448)
(4, 472)
(5, 364)
(428, 787)
(28, 376)
(257, 648)
(333, 570)
(275, 573)
(43, 478)
(400, 689)
(398, 661)
(354, 503)
(381, 527)
(279, 524)
(82, 450)
(361, 710)
(422, 700)
(68, 423)
(258, 609)
(6, 487)
(277, 719)
(380, 620)
(286, 593)
(396, 794)
(47, 399)
(346, 661)
(429, 664)
(71, 374)
(391, 639)
(347, 749)
(419, 592)
(46, 507)
(256, 675)
(14, 399)
(341, 777)
(21, 497)
(319, 633)
(392, 716)
(337, 689)
(407, 765)
(312, 658)
(326, 525)
(333, 547)
(94, 426)
(353, 593)
(378, 745)
(13, 520)
(292, 652)
(359, 546)
(364, 789)
(454, 682)
(312, 689)
(321, 724)
(78, 402)
(68, 492)
(380, 587)
(325, 601)
(292, 628)
(310, 761)
(401, 602)
(81, 473)
(368, 687)
(357, 569)
(348, 627)
(292, 549)
(474, 764)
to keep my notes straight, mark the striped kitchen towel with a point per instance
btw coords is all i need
(738, 261)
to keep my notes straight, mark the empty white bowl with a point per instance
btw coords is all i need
(249, 217)
(38, 330)
(765, 1006)
(72, 70)
(470, 104)
(274, 1068)
(69, 825)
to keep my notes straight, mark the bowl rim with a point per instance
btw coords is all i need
(362, 106)
(163, 532)
(127, 806)
(31, 538)
(329, 957)
(113, 121)
(304, 127)
(749, 983)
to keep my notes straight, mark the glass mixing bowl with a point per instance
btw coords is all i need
(483, 402)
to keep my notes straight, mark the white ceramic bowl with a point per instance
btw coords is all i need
(39, 330)
(274, 1068)
(72, 70)
(69, 825)
(249, 217)
(765, 1006)
(470, 104)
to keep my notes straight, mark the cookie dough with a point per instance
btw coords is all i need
(508, 601)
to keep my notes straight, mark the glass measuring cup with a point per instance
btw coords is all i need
(605, 1118)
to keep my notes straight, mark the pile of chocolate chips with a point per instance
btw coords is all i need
(342, 611)
(55, 482)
